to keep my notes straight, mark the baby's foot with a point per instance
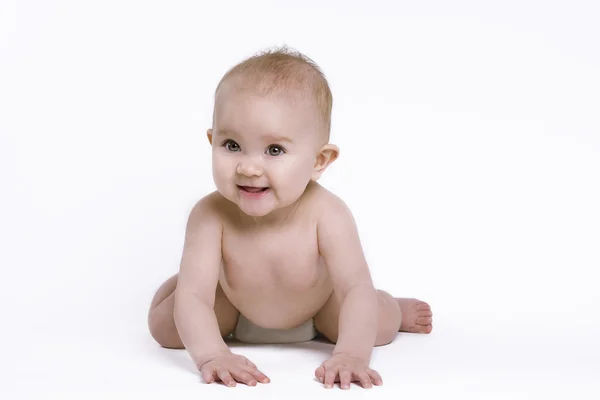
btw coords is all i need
(416, 316)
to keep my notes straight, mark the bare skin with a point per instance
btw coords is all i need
(276, 289)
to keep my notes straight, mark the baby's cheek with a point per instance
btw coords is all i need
(298, 179)
(221, 171)
(286, 177)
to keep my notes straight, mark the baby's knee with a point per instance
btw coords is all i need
(389, 307)
(163, 331)
(390, 318)
(386, 333)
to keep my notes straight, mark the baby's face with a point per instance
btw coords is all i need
(263, 149)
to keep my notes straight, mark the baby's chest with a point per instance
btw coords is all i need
(284, 259)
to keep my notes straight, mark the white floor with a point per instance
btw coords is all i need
(469, 355)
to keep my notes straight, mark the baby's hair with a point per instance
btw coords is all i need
(282, 70)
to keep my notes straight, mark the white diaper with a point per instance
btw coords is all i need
(248, 332)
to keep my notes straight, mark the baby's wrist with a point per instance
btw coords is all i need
(364, 356)
(202, 358)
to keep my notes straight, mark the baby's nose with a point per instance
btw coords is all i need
(249, 169)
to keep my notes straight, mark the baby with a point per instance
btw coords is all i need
(271, 248)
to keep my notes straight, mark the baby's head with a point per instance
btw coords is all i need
(270, 132)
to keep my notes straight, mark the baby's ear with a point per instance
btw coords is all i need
(328, 154)
(209, 136)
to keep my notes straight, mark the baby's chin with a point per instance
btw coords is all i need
(259, 212)
(256, 212)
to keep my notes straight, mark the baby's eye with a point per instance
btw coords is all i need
(231, 145)
(275, 150)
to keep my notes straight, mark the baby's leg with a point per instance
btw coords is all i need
(395, 315)
(160, 317)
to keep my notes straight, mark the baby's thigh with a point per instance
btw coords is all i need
(389, 318)
(162, 324)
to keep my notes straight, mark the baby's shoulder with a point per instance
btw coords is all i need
(210, 208)
(324, 201)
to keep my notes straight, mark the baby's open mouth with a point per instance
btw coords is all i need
(253, 189)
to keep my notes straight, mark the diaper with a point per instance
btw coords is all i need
(248, 332)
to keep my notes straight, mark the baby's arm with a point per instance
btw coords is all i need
(340, 246)
(196, 286)
(194, 313)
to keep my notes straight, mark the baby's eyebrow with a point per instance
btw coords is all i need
(277, 138)
(270, 137)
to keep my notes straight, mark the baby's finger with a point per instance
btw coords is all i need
(375, 377)
(208, 374)
(345, 378)
(243, 377)
(250, 363)
(320, 374)
(330, 375)
(258, 375)
(364, 380)
(225, 377)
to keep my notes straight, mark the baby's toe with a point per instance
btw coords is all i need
(425, 313)
(422, 306)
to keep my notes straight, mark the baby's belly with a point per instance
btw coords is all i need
(276, 303)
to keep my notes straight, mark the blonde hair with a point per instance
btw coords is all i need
(286, 71)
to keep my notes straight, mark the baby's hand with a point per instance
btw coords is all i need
(344, 368)
(229, 368)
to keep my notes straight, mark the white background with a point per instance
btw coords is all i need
(470, 156)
